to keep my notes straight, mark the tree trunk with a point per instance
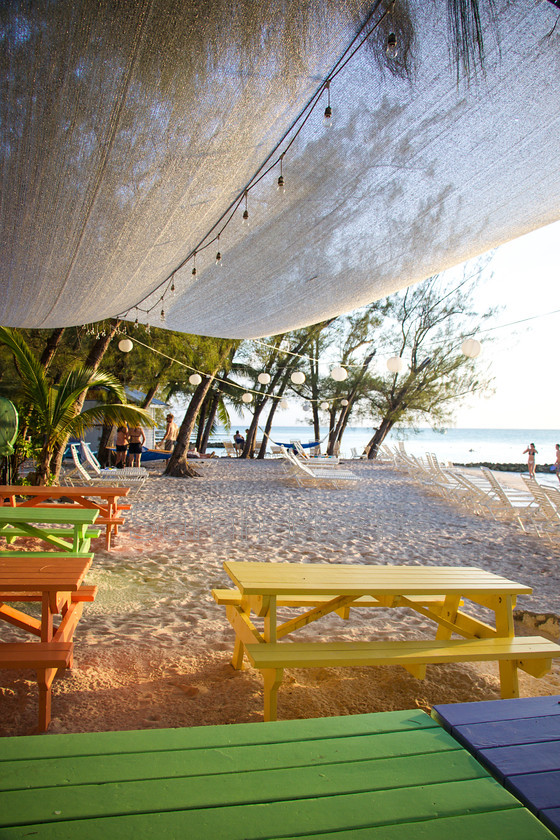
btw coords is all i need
(51, 347)
(379, 436)
(209, 422)
(93, 361)
(153, 388)
(104, 455)
(178, 466)
(201, 421)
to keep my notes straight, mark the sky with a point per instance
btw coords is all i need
(523, 279)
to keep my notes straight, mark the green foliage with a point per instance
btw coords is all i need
(49, 411)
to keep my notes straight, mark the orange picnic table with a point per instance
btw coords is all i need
(57, 584)
(107, 500)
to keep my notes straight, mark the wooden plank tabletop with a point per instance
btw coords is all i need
(50, 515)
(387, 776)
(61, 574)
(342, 579)
(58, 491)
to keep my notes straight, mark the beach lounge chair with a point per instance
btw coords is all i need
(517, 506)
(100, 472)
(229, 449)
(113, 477)
(305, 475)
(314, 460)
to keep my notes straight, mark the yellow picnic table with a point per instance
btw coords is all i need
(436, 592)
(72, 531)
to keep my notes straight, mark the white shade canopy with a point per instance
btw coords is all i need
(130, 131)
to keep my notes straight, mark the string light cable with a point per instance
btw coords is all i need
(213, 235)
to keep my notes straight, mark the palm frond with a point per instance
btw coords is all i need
(34, 385)
(112, 413)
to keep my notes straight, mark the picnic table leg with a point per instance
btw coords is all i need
(45, 677)
(272, 678)
(237, 658)
(509, 682)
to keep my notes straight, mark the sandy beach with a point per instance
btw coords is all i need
(153, 650)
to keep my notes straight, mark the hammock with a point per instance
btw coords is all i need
(291, 445)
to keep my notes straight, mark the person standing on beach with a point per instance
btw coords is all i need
(557, 462)
(169, 439)
(121, 445)
(531, 452)
(137, 438)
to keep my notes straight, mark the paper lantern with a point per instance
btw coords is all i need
(264, 378)
(125, 345)
(195, 379)
(297, 377)
(247, 397)
(471, 348)
(339, 374)
(343, 402)
(395, 364)
(306, 406)
(325, 406)
(284, 405)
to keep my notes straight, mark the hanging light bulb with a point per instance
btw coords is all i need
(298, 377)
(218, 253)
(162, 315)
(247, 397)
(392, 48)
(327, 117)
(136, 324)
(195, 379)
(172, 289)
(325, 406)
(339, 374)
(264, 378)
(280, 183)
(245, 219)
(395, 364)
(471, 348)
(193, 272)
(125, 345)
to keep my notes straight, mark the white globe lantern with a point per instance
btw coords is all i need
(297, 377)
(471, 348)
(195, 379)
(395, 364)
(343, 402)
(125, 345)
(264, 378)
(247, 397)
(339, 374)
(325, 406)
(306, 406)
(284, 405)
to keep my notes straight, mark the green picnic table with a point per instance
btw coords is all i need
(385, 776)
(66, 529)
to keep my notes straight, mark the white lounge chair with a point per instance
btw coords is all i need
(100, 472)
(305, 475)
(79, 475)
(314, 460)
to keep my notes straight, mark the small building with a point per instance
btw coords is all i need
(134, 397)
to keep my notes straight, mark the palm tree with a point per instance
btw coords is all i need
(50, 412)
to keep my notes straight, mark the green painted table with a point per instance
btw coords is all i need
(386, 776)
(72, 531)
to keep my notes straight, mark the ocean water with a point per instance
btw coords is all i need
(458, 445)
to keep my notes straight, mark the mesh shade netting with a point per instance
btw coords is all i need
(128, 129)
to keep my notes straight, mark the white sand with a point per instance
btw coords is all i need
(154, 648)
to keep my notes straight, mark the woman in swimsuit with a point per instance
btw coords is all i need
(557, 464)
(121, 444)
(136, 438)
(531, 451)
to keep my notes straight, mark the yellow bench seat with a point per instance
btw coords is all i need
(232, 597)
(530, 653)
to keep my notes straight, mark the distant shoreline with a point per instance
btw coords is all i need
(521, 468)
